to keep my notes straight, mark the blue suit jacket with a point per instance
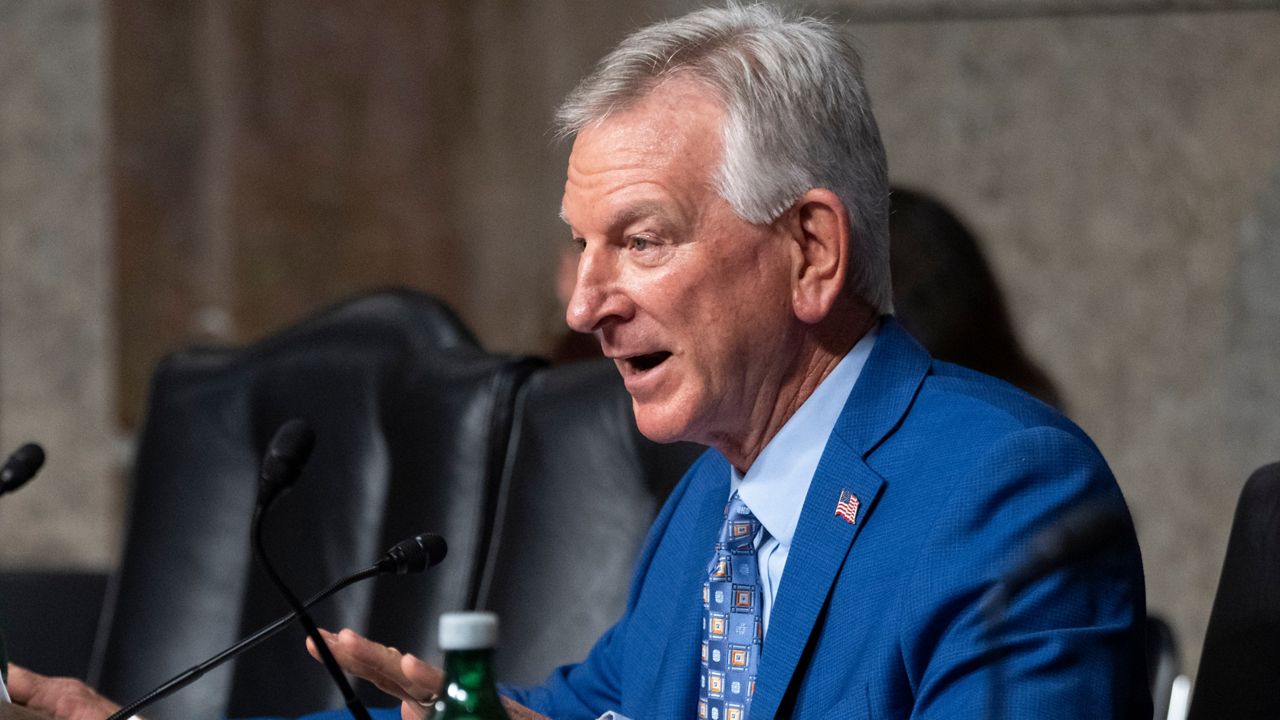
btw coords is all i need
(954, 472)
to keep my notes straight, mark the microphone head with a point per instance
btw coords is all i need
(414, 554)
(286, 454)
(21, 466)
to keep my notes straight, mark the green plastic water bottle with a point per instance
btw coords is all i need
(470, 692)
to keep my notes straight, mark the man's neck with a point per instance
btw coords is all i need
(818, 357)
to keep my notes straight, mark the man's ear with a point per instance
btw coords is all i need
(820, 235)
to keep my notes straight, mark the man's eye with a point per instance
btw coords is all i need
(640, 243)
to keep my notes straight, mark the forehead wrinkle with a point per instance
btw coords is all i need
(639, 211)
(625, 193)
(631, 212)
(636, 142)
(650, 143)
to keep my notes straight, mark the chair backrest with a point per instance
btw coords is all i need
(1240, 663)
(412, 420)
(579, 491)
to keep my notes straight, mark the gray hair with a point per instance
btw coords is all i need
(797, 117)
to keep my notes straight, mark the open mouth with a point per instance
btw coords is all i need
(649, 361)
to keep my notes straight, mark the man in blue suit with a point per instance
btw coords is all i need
(829, 557)
(728, 189)
(728, 192)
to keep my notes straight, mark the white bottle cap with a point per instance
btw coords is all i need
(468, 630)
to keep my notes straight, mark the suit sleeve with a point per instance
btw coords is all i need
(582, 690)
(1070, 645)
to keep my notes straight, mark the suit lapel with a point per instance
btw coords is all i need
(675, 678)
(823, 539)
(885, 390)
(818, 551)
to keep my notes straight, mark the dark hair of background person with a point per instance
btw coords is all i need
(945, 294)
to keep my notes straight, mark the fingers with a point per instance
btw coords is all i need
(379, 664)
(366, 659)
(61, 698)
(413, 711)
(22, 683)
(422, 680)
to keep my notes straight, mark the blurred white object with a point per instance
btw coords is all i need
(1179, 698)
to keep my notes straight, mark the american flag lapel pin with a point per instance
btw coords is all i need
(847, 507)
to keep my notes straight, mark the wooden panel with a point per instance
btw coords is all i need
(345, 125)
(271, 158)
(158, 131)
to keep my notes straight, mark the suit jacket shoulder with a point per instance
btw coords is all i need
(959, 472)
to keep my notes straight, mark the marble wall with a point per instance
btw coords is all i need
(56, 323)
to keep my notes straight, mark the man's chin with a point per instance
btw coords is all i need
(660, 424)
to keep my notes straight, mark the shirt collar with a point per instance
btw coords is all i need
(776, 484)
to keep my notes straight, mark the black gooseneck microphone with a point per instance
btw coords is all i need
(286, 454)
(406, 557)
(21, 466)
(1081, 534)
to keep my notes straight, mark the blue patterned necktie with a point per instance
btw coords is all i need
(731, 628)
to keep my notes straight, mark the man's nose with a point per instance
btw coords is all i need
(597, 297)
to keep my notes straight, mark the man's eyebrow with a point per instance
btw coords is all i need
(629, 214)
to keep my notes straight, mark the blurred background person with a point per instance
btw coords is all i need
(946, 295)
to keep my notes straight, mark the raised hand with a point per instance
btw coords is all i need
(402, 675)
(395, 673)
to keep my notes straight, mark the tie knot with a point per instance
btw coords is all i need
(738, 507)
(740, 526)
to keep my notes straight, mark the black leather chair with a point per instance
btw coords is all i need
(1240, 662)
(579, 492)
(536, 476)
(48, 618)
(411, 418)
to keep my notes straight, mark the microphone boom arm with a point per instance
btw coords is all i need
(194, 673)
(353, 703)
(409, 556)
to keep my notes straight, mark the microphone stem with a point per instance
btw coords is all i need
(353, 703)
(196, 672)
